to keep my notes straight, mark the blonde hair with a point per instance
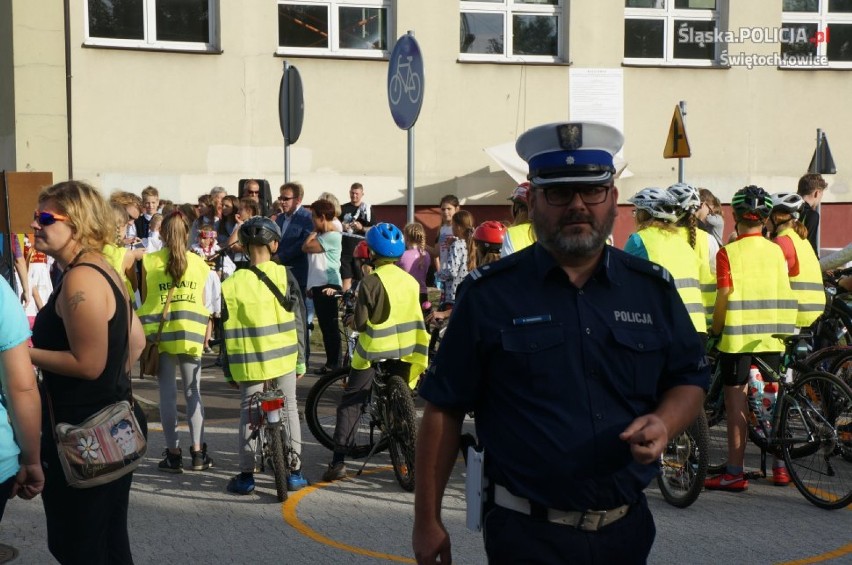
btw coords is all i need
(415, 236)
(779, 218)
(90, 217)
(175, 235)
(464, 221)
(119, 212)
(126, 199)
(156, 222)
(644, 219)
(334, 201)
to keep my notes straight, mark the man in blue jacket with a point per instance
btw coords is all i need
(296, 224)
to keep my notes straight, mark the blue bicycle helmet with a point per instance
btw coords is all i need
(386, 240)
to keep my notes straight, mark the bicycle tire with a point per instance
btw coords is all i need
(815, 430)
(280, 469)
(684, 465)
(842, 367)
(402, 431)
(321, 416)
(717, 428)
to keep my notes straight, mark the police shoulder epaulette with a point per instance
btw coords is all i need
(650, 268)
(492, 268)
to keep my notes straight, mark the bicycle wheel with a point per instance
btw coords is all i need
(815, 431)
(276, 444)
(321, 415)
(684, 465)
(717, 428)
(402, 431)
(841, 366)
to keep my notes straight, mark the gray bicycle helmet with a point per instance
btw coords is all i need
(657, 202)
(686, 196)
(258, 230)
(789, 202)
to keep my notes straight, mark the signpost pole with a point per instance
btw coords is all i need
(817, 169)
(682, 104)
(287, 105)
(410, 209)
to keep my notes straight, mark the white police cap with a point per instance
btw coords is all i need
(570, 152)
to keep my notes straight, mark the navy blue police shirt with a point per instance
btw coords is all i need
(555, 373)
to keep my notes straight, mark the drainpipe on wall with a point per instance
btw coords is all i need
(67, 14)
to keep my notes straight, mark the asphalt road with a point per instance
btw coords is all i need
(190, 518)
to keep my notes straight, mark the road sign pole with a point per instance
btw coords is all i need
(410, 214)
(682, 104)
(818, 168)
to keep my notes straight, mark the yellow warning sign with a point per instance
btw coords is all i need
(677, 145)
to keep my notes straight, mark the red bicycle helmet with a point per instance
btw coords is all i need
(361, 250)
(521, 193)
(490, 232)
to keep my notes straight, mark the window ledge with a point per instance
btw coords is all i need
(191, 51)
(819, 68)
(511, 62)
(336, 56)
(662, 65)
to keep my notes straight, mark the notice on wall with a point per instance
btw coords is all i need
(597, 95)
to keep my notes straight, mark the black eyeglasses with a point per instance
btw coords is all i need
(563, 195)
(47, 218)
(252, 192)
(286, 198)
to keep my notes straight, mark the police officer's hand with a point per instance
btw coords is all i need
(431, 543)
(647, 436)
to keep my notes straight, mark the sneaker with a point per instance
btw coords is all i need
(241, 485)
(171, 463)
(208, 350)
(734, 483)
(200, 460)
(780, 477)
(334, 472)
(296, 481)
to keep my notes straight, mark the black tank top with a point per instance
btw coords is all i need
(76, 399)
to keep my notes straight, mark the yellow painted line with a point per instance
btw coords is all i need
(288, 510)
(837, 553)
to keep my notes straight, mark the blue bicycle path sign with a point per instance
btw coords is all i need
(405, 81)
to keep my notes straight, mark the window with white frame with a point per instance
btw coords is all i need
(185, 25)
(513, 30)
(356, 28)
(671, 32)
(820, 28)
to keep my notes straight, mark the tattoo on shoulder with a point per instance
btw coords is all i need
(76, 299)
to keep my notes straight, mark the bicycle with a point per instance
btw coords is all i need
(387, 419)
(809, 426)
(409, 83)
(273, 447)
(684, 463)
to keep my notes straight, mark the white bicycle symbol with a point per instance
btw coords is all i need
(408, 82)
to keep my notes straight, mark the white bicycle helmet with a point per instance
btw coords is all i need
(789, 202)
(686, 196)
(657, 202)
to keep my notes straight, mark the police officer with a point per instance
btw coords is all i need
(563, 350)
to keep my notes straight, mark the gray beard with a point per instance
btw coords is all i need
(574, 245)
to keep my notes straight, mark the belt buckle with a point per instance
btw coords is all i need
(591, 520)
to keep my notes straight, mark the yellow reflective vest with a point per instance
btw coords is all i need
(807, 285)
(260, 335)
(518, 237)
(706, 278)
(672, 252)
(761, 303)
(403, 335)
(115, 257)
(186, 321)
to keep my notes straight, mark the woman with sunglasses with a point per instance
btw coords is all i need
(86, 339)
(182, 337)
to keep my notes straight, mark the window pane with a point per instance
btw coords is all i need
(550, 2)
(645, 4)
(797, 40)
(481, 33)
(694, 49)
(839, 48)
(493, 1)
(303, 26)
(363, 28)
(183, 20)
(800, 6)
(118, 19)
(840, 6)
(695, 4)
(644, 39)
(534, 35)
